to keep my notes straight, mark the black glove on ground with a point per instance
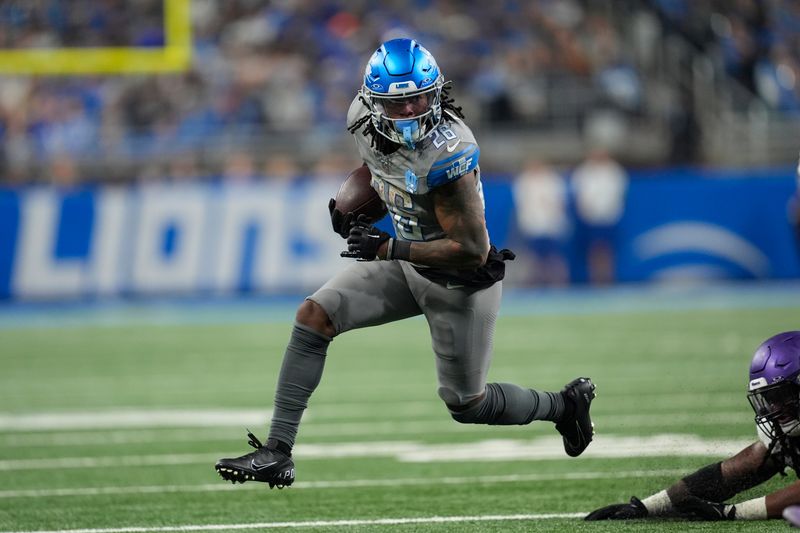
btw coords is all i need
(620, 511)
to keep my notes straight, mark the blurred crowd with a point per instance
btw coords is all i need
(757, 42)
(81, 23)
(292, 67)
(288, 66)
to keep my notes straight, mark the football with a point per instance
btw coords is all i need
(357, 196)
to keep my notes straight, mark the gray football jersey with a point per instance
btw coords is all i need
(405, 177)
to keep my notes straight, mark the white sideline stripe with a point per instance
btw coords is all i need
(137, 417)
(185, 432)
(550, 448)
(320, 523)
(134, 418)
(541, 448)
(344, 484)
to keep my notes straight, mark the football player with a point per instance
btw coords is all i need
(424, 165)
(774, 393)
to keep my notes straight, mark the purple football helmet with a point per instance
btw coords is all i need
(775, 385)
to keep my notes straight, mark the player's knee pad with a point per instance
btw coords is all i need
(471, 415)
(463, 410)
(500, 404)
(450, 397)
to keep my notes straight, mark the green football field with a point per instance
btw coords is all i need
(114, 425)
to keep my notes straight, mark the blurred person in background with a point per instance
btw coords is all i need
(774, 394)
(540, 198)
(331, 166)
(280, 167)
(149, 174)
(183, 168)
(794, 208)
(600, 185)
(777, 78)
(423, 160)
(239, 168)
(684, 130)
(63, 173)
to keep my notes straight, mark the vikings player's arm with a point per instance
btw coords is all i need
(700, 494)
(774, 394)
(776, 502)
(749, 468)
(459, 211)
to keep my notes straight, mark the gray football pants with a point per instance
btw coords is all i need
(461, 321)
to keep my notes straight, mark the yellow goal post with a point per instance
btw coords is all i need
(174, 56)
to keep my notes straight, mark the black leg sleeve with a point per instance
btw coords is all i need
(507, 404)
(301, 372)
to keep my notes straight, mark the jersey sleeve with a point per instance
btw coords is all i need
(452, 164)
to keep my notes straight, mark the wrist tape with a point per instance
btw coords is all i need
(755, 509)
(658, 504)
(398, 250)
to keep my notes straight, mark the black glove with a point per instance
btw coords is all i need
(620, 511)
(695, 508)
(341, 222)
(364, 240)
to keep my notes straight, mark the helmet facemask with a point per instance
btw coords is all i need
(406, 130)
(777, 409)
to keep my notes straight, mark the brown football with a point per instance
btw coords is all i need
(357, 196)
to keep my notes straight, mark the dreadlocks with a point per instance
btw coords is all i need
(384, 145)
(448, 103)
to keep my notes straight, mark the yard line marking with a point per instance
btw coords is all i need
(133, 418)
(109, 461)
(604, 446)
(128, 432)
(320, 523)
(341, 484)
(311, 429)
(540, 448)
(138, 417)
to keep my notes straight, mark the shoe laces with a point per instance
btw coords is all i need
(254, 442)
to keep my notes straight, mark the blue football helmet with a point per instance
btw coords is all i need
(403, 90)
